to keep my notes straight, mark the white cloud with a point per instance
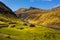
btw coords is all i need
(39, 0)
(46, 0)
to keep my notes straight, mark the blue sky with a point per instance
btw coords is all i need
(43, 4)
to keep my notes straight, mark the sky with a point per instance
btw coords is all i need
(43, 4)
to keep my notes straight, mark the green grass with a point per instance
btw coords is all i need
(27, 33)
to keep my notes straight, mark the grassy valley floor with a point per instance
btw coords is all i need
(21, 32)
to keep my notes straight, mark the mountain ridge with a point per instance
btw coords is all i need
(4, 8)
(42, 17)
(7, 16)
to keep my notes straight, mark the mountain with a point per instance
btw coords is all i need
(49, 18)
(20, 11)
(7, 16)
(5, 9)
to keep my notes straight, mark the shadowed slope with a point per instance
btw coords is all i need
(5, 9)
(7, 16)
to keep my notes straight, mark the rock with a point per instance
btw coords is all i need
(32, 25)
(21, 28)
(25, 24)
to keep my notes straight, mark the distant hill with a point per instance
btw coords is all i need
(49, 18)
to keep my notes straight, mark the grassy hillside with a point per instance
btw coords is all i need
(49, 18)
(13, 29)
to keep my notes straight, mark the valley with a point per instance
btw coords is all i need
(29, 24)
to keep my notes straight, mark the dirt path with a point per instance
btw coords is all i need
(8, 36)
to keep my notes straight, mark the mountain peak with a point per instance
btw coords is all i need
(33, 8)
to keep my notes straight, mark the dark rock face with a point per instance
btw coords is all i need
(33, 8)
(5, 9)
